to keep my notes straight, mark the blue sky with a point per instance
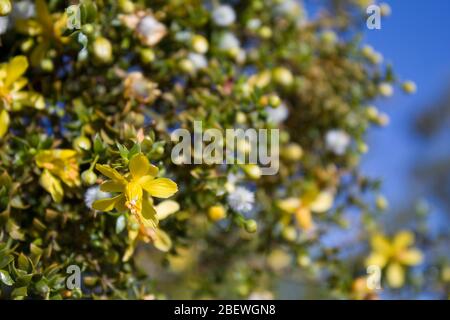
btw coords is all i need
(416, 40)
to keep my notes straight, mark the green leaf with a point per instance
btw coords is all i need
(6, 278)
(98, 144)
(5, 260)
(24, 263)
(41, 286)
(88, 12)
(135, 150)
(19, 292)
(123, 151)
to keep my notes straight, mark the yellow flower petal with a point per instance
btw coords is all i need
(323, 202)
(43, 14)
(395, 275)
(160, 187)
(162, 241)
(152, 170)
(120, 204)
(411, 257)
(376, 259)
(29, 99)
(133, 192)
(381, 244)
(403, 239)
(106, 204)
(110, 172)
(148, 214)
(14, 69)
(139, 166)
(52, 186)
(289, 205)
(19, 84)
(129, 251)
(166, 208)
(4, 122)
(304, 219)
(112, 186)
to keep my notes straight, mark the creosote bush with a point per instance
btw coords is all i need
(90, 93)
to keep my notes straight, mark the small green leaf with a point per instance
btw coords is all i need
(42, 287)
(98, 144)
(19, 292)
(135, 150)
(123, 151)
(5, 260)
(6, 278)
(24, 263)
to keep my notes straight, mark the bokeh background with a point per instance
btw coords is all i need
(411, 156)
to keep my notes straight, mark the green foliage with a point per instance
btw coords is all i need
(115, 89)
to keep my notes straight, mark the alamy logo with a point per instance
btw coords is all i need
(373, 281)
(73, 281)
(238, 146)
(73, 17)
(374, 17)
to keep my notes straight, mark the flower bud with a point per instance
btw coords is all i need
(102, 50)
(372, 113)
(329, 37)
(126, 6)
(159, 150)
(147, 55)
(283, 76)
(363, 147)
(241, 118)
(216, 213)
(409, 87)
(265, 32)
(303, 260)
(289, 233)
(47, 65)
(5, 7)
(27, 45)
(253, 171)
(385, 89)
(383, 119)
(186, 66)
(385, 9)
(292, 152)
(199, 44)
(88, 177)
(87, 28)
(381, 203)
(82, 143)
(274, 101)
(251, 226)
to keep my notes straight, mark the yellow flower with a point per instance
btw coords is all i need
(135, 190)
(47, 27)
(59, 163)
(11, 93)
(302, 207)
(394, 255)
